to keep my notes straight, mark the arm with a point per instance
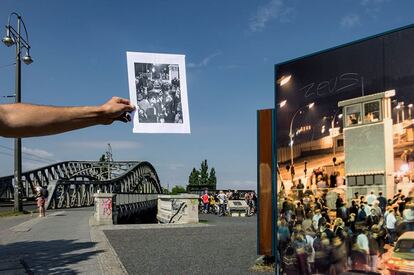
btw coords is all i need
(26, 120)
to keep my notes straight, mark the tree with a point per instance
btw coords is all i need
(103, 166)
(202, 177)
(212, 180)
(102, 158)
(204, 173)
(177, 190)
(165, 191)
(193, 179)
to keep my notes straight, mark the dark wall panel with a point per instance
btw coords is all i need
(265, 176)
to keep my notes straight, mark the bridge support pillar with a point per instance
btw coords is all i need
(105, 210)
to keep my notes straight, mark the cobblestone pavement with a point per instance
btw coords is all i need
(228, 246)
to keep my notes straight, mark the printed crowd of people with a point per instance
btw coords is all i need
(320, 233)
(217, 202)
(158, 101)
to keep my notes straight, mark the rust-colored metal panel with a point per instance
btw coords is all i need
(264, 182)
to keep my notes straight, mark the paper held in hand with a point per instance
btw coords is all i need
(158, 89)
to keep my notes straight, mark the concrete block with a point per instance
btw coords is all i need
(182, 208)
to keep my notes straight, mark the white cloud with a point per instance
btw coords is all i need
(170, 166)
(373, 7)
(230, 67)
(350, 21)
(37, 152)
(203, 62)
(275, 9)
(103, 144)
(372, 2)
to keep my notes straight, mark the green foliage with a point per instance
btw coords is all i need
(165, 191)
(212, 180)
(177, 190)
(193, 178)
(102, 158)
(103, 165)
(204, 173)
(202, 176)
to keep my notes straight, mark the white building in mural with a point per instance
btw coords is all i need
(368, 144)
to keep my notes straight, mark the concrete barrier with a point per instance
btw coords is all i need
(105, 210)
(238, 208)
(181, 208)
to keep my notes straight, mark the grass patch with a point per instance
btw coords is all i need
(264, 264)
(203, 221)
(263, 267)
(13, 213)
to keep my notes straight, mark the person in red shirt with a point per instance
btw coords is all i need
(206, 200)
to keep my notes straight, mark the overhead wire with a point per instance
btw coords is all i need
(43, 159)
(8, 65)
(26, 158)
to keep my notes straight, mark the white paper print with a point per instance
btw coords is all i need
(158, 89)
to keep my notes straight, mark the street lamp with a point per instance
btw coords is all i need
(284, 80)
(309, 106)
(282, 103)
(410, 106)
(13, 37)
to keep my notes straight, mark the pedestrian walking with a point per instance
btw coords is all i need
(41, 200)
(222, 203)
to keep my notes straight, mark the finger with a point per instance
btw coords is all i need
(125, 117)
(128, 116)
(123, 101)
(129, 108)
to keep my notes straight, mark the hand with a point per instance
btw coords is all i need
(116, 109)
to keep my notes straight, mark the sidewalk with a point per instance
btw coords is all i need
(60, 243)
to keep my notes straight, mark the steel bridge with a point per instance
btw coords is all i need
(73, 183)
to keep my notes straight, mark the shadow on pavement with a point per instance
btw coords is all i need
(47, 257)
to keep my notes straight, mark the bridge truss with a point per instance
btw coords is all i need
(73, 183)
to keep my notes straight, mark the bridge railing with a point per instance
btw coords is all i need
(74, 170)
(128, 198)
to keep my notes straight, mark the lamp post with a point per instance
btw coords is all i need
(109, 158)
(309, 106)
(13, 37)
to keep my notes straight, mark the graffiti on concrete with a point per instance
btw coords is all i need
(107, 207)
(178, 208)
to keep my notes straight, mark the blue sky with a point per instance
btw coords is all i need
(230, 46)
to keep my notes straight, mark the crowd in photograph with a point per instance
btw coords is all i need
(218, 202)
(319, 232)
(158, 101)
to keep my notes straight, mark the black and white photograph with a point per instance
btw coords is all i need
(158, 90)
